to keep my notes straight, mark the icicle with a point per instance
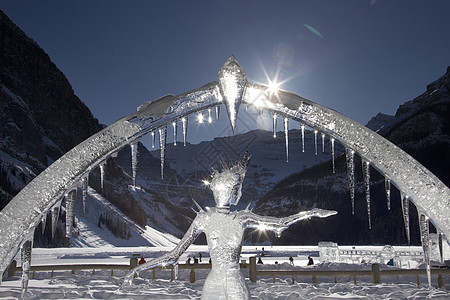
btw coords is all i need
(174, 125)
(387, 187)
(425, 238)
(441, 247)
(44, 222)
(26, 264)
(184, 122)
(200, 209)
(102, 173)
(366, 175)
(405, 210)
(217, 112)
(153, 139)
(350, 157)
(134, 154)
(70, 211)
(275, 125)
(303, 137)
(200, 117)
(323, 142)
(286, 132)
(55, 217)
(209, 115)
(332, 154)
(315, 141)
(85, 185)
(162, 146)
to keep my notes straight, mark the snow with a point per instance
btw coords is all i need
(84, 285)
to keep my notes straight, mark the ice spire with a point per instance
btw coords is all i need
(275, 125)
(332, 154)
(232, 82)
(387, 187)
(366, 176)
(55, 217)
(84, 187)
(134, 155)
(425, 238)
(315, 141)
(217, 112)
(184, 122)
(26, 264)
(209, 115)
(43, 222)
(302, 126)
(286, 136)
(405, 210)
(174, 126)
(153, 139)
(70, 211)
(323, 142)
(162, 146)
(102, 173)
(350, 158)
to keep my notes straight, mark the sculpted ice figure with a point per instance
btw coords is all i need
(224, 233)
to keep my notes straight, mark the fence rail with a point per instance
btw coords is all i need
(375, 273)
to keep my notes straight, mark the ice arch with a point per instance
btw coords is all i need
(20, 217)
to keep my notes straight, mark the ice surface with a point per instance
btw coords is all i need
(70, 211)
(387, 188)
(184, 122)
(162, 147)
(26, 264)
(425, 238)
(405, 211)
(286, 136)
(275, 116)
(332, 155)
(134, 154)
(350, 159)
(366, 179)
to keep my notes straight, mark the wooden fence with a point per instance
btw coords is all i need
(375, 273)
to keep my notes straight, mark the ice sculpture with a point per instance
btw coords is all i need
(425, 190)
(225, 233)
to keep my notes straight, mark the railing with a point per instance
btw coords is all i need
(375, 273)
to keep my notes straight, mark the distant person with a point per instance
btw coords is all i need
(200, 256)
(142, 260)
(291, 260)
(195, 260)
(310, 261)
(259, 261)
(276, 262)
(189, 261)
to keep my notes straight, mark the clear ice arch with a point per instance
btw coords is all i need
(20, 217)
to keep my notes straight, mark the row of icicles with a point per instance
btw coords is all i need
(162, 132)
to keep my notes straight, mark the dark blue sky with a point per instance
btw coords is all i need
(358, 57)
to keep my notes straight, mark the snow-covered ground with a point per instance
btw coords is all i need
(84, 285)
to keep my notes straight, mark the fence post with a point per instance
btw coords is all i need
(376, 273)
(441, 283)
(252, 272)
(192, 276)
(12, 269)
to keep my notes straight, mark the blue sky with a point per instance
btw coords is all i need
(359, 57)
